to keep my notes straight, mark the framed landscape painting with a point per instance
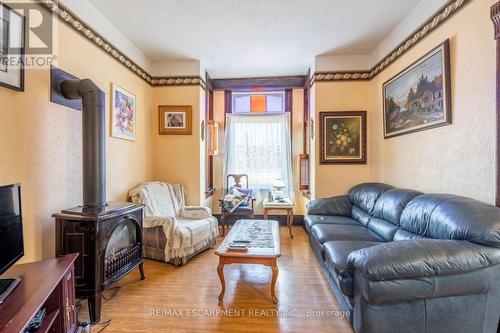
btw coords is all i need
(123, 113)
(343, 137)
(175, 120)
(419, 97)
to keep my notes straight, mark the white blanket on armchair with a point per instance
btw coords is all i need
(188, 229)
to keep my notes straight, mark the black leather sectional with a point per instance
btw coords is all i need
(402, 261)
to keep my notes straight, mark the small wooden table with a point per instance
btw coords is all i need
(287, 206)
(253, 255)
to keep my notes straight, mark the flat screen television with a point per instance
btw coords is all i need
(11, 235)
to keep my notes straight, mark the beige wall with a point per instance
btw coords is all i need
(341, 96)
(177, 158)
(41, 142)
(459, 158)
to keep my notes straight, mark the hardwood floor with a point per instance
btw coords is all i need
(184, 299)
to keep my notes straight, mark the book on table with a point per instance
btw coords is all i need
(238, 246)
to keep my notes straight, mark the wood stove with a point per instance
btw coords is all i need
(108, 236)
(109, 243)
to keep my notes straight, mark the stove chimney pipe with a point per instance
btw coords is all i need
(94, 139)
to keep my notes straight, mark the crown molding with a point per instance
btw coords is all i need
(72, 20)
(451, 8)
(85, 30)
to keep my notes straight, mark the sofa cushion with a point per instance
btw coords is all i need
(421, 258)
(360, 215)
(366, 195)
(331, 232)
(242, 208)
(335, 255)
(388, 210)
(391, 204)
(311, 220)
(383, 228)
(339, 205)
(445, 216)
(402, 234)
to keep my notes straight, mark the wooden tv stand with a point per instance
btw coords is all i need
(48, 284)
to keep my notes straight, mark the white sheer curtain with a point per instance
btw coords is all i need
(260, 146)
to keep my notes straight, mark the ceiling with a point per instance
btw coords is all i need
(251, 38)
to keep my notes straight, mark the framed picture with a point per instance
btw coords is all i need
(123, 113)
(175, 119)
(212, 137)
(342, 137)
(12, 43)
(419, 97)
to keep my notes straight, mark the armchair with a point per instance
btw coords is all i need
(173, 232)
(245, 209)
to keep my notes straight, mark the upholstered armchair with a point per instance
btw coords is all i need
(173, 232)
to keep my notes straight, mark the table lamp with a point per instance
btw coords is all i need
(279, 186)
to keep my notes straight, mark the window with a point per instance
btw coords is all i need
(259, 145)
(247, 102)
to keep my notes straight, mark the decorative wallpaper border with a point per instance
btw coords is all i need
(83, 29)
(495, 17)
(178, 81)
(444, 13)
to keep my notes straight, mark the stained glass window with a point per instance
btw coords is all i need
(246, 102)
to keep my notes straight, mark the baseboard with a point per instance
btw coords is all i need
(297, 219)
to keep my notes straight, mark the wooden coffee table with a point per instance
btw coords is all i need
(259, 255)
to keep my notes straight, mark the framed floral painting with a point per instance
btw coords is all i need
(343, 137)
(123, 113)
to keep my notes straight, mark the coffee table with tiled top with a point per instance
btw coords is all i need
(264, 249)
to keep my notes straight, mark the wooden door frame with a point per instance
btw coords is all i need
(209, 115)
(495, 17)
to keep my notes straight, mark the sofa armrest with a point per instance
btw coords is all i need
(195, 212)
(339, 205)
(421, 258)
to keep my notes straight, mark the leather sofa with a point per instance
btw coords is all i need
(402, 261)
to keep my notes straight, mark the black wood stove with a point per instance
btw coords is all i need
(108, 236)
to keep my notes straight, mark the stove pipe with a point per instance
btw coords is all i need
(94, 139)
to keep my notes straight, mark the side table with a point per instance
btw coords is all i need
(287, 206)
